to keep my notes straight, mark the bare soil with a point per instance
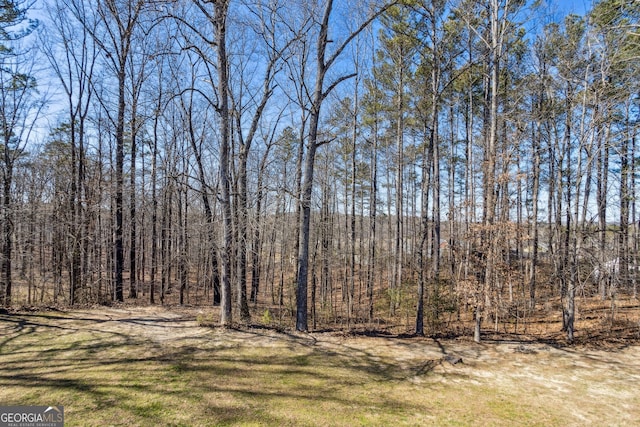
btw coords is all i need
(575, 385)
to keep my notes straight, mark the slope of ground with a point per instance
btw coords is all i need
(152, 366)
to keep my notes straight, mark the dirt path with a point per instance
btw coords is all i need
(506, 361)
(180, 326)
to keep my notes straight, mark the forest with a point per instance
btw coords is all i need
(433, 166)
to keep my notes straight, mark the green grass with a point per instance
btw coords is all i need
(105, 374)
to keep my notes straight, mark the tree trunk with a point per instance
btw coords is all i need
(242, 224)
(118, 263)
(489, 165)
(307, 182)
(7, 229)
(133, 248)
(154, 209)
(220, 17)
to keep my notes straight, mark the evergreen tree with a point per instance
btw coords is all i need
(18, 108)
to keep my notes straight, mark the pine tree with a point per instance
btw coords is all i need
(18, 110)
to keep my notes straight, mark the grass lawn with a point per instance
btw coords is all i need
(153, 367)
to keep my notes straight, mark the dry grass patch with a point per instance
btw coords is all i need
(149, 367)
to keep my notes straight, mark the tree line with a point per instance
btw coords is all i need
(342, 162)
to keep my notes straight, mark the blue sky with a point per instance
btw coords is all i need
(578, 7)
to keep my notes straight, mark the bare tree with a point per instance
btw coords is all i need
(248, 106)
(72, 55)
(322, 65)
(20, 107)
(219, 22)
(112, 28)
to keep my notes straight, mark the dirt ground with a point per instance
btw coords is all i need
(579, 385)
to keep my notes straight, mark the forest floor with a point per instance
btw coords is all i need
(144, 366)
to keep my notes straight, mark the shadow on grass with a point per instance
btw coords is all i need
(125, 378)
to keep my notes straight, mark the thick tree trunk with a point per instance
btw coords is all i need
(305, 223)
(220, 17)
(308, 172)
